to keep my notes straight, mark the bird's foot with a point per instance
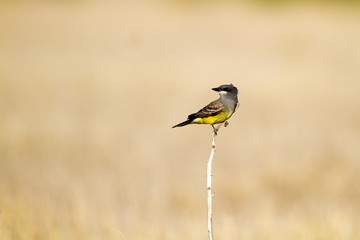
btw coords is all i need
(226, 124)
(215, 129)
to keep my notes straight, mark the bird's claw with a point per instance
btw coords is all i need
(226, 124)
(215, 129)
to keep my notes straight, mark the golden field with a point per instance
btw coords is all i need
(89, 91)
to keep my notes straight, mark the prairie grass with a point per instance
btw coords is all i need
(89, 91)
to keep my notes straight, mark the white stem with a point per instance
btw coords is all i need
(209, 191)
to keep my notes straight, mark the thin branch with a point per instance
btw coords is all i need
(210, 194)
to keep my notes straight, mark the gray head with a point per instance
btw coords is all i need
(227, 89)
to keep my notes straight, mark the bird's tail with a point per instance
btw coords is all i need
(183, 123)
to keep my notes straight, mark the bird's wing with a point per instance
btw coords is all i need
(214, 108)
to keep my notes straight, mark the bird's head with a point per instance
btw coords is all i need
(227, 89)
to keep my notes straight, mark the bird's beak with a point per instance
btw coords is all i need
(216, 89)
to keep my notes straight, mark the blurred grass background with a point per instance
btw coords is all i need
(89, 91)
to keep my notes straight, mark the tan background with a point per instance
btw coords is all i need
(89, 91)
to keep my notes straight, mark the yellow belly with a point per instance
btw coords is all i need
(213, 119)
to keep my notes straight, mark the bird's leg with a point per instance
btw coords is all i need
(215, 129)
(226, 124)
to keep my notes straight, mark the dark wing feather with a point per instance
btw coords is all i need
(214, 108)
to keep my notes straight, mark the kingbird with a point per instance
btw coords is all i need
(217, 111)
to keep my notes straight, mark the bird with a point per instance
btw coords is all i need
(217, 111)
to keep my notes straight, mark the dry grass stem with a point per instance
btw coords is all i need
(209, 191)
(210, 194)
